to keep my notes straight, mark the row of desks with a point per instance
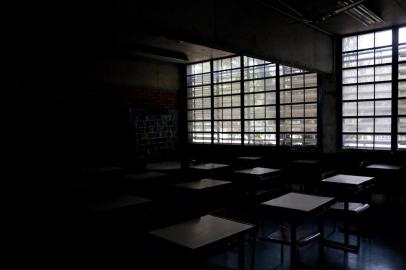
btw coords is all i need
(208, 229)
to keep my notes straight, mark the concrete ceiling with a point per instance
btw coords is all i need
(240, 27)
(163, 45)
(170, 30)
(168, 49)
(393, 12)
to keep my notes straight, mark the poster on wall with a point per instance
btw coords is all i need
(155, 131)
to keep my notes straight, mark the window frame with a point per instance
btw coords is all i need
(242, 109)
(304, 102)
(394, 95)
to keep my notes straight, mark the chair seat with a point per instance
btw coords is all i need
(353, 207)
(302, 236)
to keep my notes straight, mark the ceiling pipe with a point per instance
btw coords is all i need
(347, 7)
(360, 13)
(373, 16)
(291, 8)
(300, 20)
(401, 4)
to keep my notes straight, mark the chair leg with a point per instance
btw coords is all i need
(298, 254)
(281, 253)
(334, 225)
(262, 225)
(254, 242)
(358, 239)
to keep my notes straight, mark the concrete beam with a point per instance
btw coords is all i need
(240, 26)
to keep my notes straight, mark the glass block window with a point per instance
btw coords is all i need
(401, 136)
(367, 91)
(227, 100)
(199, 102)
(298, 107)
(259, 102)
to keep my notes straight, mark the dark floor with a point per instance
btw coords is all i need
(385, 249)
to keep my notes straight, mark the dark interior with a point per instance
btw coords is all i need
(100, 93)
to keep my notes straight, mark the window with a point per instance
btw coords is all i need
(199, 102)
(227, 100)
(367, 91)
(402, 90)
(259, 102)
(237, 100)
(298, 107)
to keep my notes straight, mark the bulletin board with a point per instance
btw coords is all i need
(155, 131)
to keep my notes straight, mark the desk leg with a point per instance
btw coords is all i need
(346, 245)
(293, 246)
(321, 241)
(241, 253)
(346, 225)
(254, 244)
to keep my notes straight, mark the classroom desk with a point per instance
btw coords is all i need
(250, 158)
(209, 166)
(297, 208)
(146, 178)
(117, 203)
(346, 185)
(204, 184)
(203, 195)
(306, 161)
(146, 183)
(244, 162)
(105, 169)
(347, 182)
(390, 167)
(165, 166)
(256, 177)
(209, 170)
(144, 175)
(202, 232)
(259, 172)
(304, 172)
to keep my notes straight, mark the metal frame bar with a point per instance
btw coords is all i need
(242, 107)
(374, 116)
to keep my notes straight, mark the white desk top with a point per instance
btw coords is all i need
(347, 179)
(209, 166)
(116, 203)
(250, 158)
(164, 166)
(384, 167)
(144, 175)
(306, 161)
(299, 202)
(258, 171)
(203, 183)
(202, 231)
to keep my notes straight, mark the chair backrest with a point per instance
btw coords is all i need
(328, 174)
(363, 164)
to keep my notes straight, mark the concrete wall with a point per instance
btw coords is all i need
(113, 86)
(75, 87)
(80, 114)
(140, 73)
(328, 110)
